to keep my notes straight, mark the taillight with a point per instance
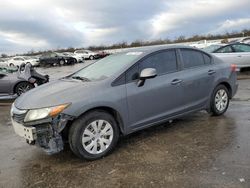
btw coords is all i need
(233, 67)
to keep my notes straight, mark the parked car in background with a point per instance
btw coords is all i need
(121, 94)
(33, 60)
(53, 59)
(78, 57)
(102, 54)
(18, 60)
(3, 62)
(237, 53)
(246, 40)
(21, 80)
(87, 54)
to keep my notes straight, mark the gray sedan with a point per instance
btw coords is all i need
(121, 94)
(10, 84)
(236, 53)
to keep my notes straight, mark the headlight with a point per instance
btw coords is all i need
(42, 113)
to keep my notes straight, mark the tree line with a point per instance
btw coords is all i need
(138, 43)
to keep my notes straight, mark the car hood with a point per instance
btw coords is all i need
(56, 93)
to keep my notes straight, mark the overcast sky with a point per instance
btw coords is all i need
(51, 24)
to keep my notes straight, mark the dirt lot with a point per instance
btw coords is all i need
(195, 151)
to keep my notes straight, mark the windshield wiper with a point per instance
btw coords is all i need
(81, 78)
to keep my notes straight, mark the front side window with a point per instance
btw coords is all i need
(226, 49)
(164, 62)
(241, 48)
(192, 58)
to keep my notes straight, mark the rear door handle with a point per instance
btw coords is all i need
(210, 72)
(176, 81)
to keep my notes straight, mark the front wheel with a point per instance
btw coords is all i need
(93, 135)
(220, 100)
(91, 57)
(23, 87)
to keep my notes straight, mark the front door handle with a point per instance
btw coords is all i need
(176, 81)
(210, 72)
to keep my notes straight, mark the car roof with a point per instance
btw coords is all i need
(150, 49)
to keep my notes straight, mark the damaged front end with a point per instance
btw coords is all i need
(49, 135)
(46, 133)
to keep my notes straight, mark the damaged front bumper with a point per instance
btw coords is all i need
(43, 133)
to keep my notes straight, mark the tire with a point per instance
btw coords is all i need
(219, 101)
(61, 62)
(12, 65)
(23, 87)
(84, 126)
(91, 57)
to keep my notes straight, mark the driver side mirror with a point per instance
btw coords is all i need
(145, 74)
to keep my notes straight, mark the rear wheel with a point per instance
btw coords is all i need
(93, 135)
(91, 57)
(23, 87)
(220, 100)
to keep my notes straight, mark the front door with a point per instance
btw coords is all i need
(159, 97)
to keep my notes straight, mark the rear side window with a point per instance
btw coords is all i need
(192, 58)
(164, 62)
(226, 49)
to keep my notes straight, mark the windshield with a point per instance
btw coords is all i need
(106, 67)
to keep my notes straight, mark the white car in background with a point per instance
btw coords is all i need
(3, 63)
(78, 57)
(235, 53)
(86, 54)
(17, 61)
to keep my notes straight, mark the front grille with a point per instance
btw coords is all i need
(19, 118)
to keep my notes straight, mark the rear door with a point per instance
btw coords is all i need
(242, 52)
(159, 97)
(227, 54)
(198, 77)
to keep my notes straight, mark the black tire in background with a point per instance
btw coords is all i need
(216, 111)
(91, 57)
(23, 87)
(78, 127)
(61, 62)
